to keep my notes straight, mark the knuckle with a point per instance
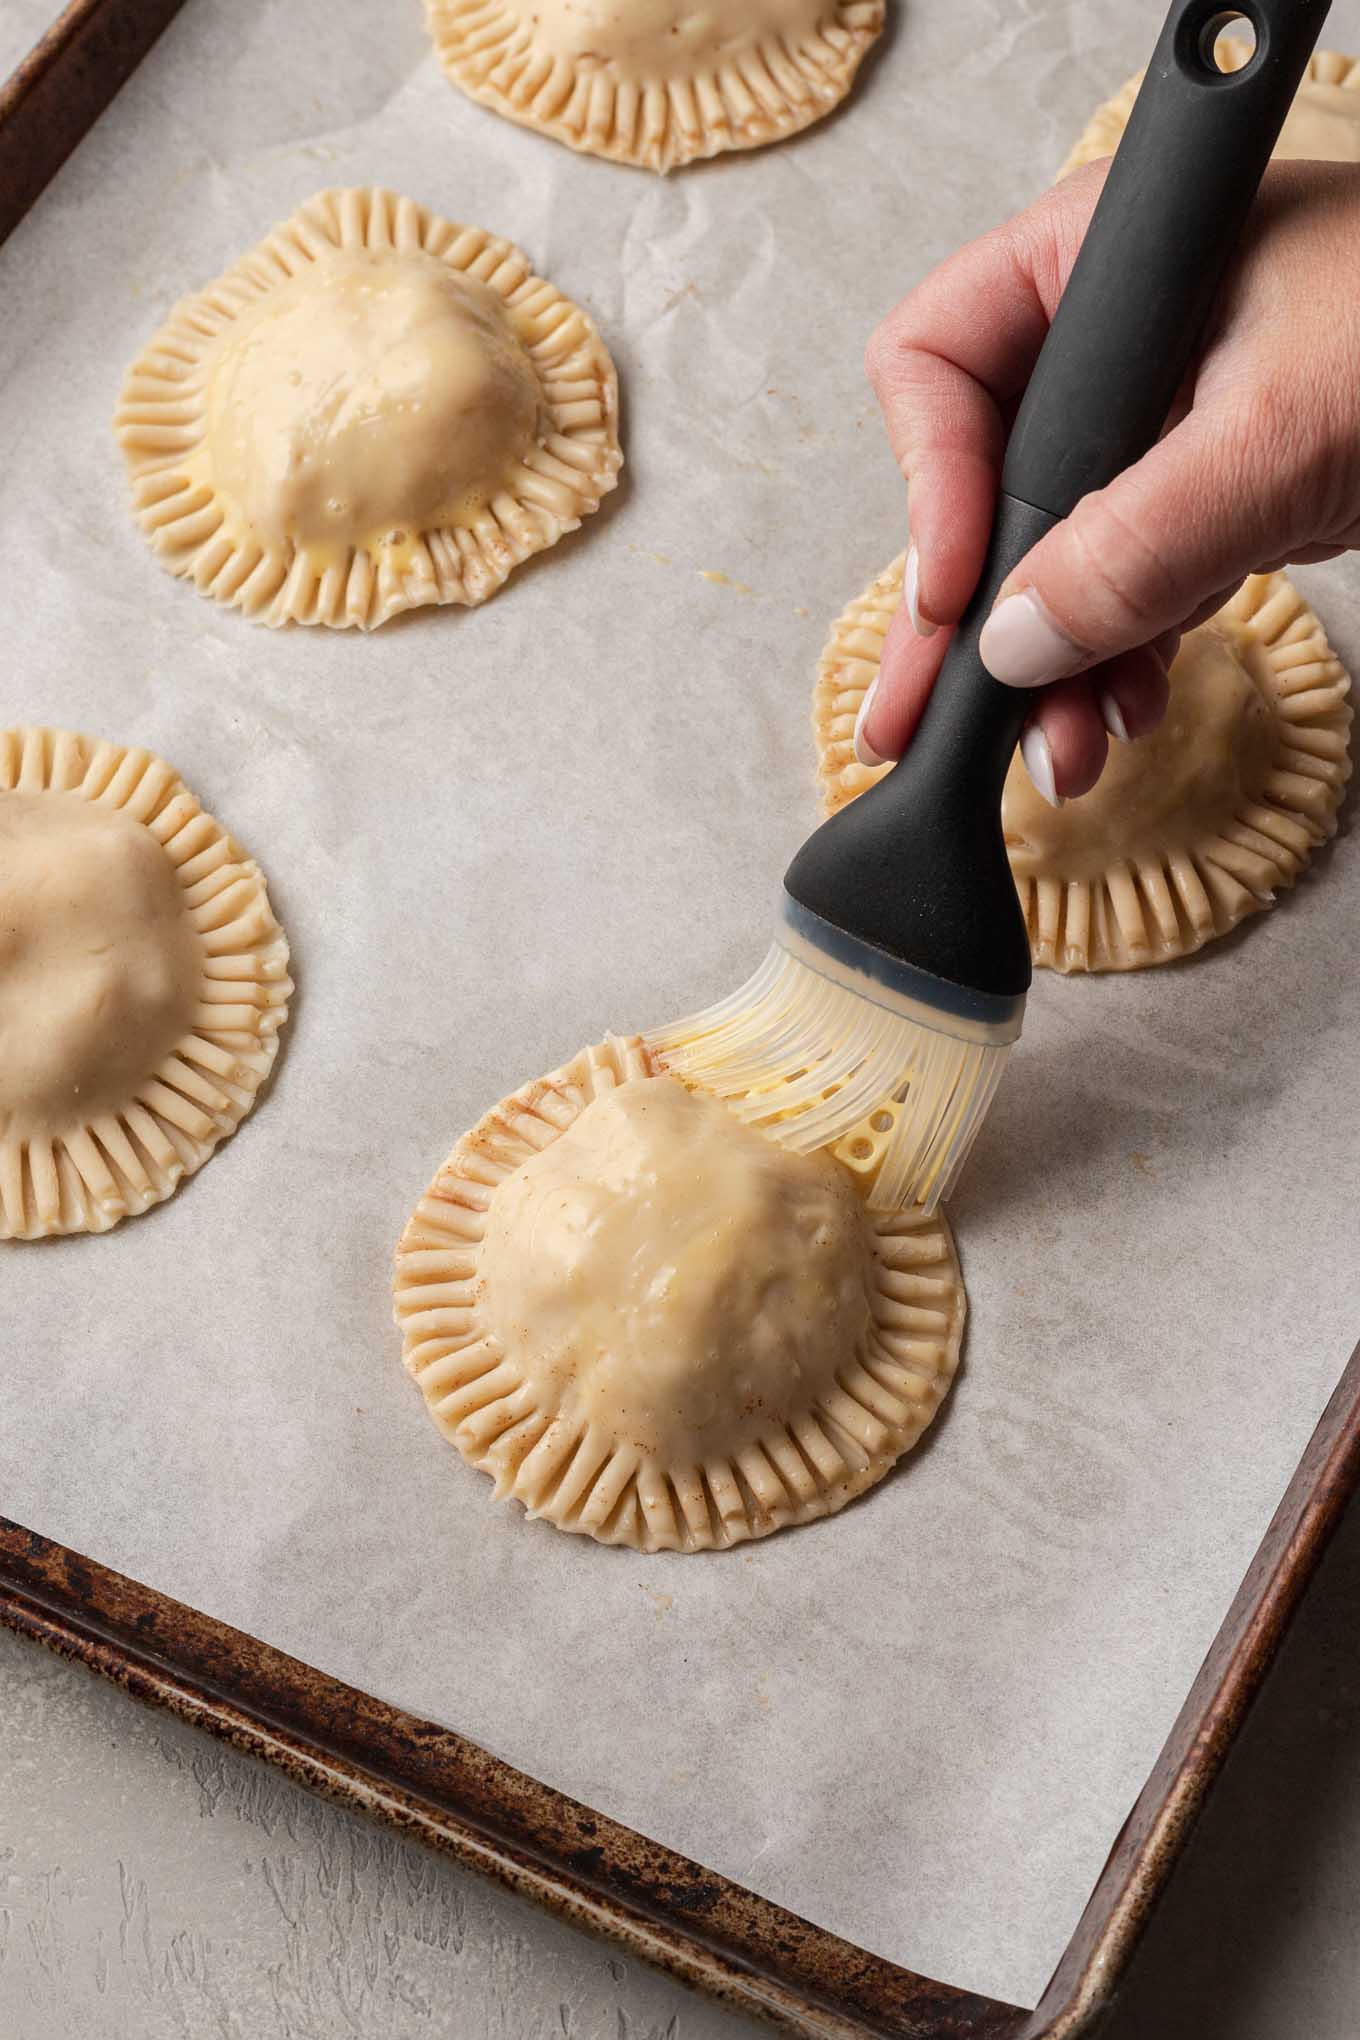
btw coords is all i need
(891, 350)
(1043, 242)
(878, 350)
(1124, 572)
(1283, 466)
(1299, 454)
(1262, 439)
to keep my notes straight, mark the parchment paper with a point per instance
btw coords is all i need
(492, 835)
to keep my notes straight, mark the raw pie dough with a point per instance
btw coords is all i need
(1188, 830)
(373, 411)
(654, 1326)
(1322, 124)
(656, 82)
(143, 983)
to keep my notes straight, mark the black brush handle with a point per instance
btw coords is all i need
(1169, 218)
(917, 867)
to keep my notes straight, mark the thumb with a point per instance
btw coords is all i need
(1133, 559)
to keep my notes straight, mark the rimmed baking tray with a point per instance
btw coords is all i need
(704, 1929)
(708, 1929)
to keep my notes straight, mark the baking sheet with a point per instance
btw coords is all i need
(492, 835)
(22, 23)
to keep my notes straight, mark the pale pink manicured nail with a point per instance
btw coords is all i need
(864, 750)
(1037, 753)
(1022, 645)
(911, 575)
(1112, 715)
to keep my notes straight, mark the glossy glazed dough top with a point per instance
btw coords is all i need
(373, 397)
(666, 1273)
(99, 962)
(643, 40)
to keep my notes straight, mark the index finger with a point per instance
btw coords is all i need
(948, 363)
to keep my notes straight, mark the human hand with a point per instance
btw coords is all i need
(1259, 467)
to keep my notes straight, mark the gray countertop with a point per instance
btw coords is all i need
(154, 1885)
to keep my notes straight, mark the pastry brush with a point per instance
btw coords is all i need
(896, 983)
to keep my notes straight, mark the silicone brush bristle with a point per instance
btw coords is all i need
(815, 1052)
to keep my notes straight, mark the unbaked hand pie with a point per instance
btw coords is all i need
(1188, 830)
(1323, 123)
(143, 983)
(650, 1324)
(373, 411)
(656, 82)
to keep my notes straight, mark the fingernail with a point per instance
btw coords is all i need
(1023, 646)
(1037, 753)
(1112, 715)
(911, 575)
(865, 751)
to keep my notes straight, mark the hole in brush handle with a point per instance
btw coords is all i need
(1201, 30)
(1173, 206)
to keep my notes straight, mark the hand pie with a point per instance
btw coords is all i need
(656, 82)
(1323, 123)
(652, 1325)
(373, 411)
(143, 983)
(1188, 830)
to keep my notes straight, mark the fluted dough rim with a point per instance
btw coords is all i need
(161, 418)
(1145, 913)
(775, 91)
(121, 1162)
(1100, 137)
(818, 1461)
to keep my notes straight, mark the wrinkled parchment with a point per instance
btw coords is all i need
(493, 835)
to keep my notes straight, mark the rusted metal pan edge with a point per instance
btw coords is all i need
(1139, 1866)
(712, 1934)
(63, 85)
